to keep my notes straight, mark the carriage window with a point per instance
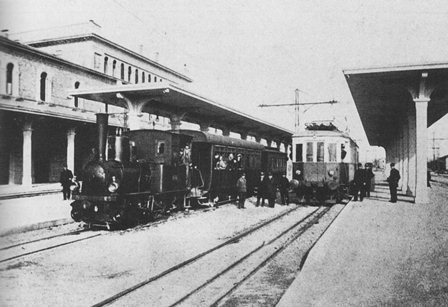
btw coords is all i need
(320, 151)
(160, 148)
(309, 151)
(299, 152)
(332, 152)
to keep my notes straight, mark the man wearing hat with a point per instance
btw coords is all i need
(393, 179)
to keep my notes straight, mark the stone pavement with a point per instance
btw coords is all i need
(379, 253)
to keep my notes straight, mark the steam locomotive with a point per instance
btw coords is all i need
(324, 162)
(140, 174)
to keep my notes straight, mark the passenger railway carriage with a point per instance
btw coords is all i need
(326, 158)
(139, 174)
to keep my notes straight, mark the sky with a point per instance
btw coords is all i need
(245, 53)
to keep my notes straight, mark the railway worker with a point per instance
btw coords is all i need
(261, 190)
(393, 179)
(284, 189)
(271, 189)
(369, 175)
(66, 181)
(359, 183)
(241, 188)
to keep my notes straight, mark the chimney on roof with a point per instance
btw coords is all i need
(5, 33)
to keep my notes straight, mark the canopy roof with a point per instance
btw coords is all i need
(384, 96)
(167, 99)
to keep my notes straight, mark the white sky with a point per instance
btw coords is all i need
(244, 53)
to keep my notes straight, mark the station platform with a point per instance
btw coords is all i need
(379, 253)
(33, 208)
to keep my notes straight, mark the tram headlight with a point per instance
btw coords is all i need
(113, 187)
(331, 173)
(95, 208)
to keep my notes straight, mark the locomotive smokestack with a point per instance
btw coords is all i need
(102, 123)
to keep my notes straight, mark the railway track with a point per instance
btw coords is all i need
(31, 247)
(213, 274)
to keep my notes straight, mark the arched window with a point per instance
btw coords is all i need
(9, 71)
(114, 66)
(122, 71)
(155, 79)
(76, 97)
(43, 85)
(143, 77)
(106, 60)
(149, 78)
(136, 76)
(129, 73)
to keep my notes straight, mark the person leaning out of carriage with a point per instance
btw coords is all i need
(241, 189)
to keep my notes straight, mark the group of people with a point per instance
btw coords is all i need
(230, 162)
(362, 182)
(266, 190)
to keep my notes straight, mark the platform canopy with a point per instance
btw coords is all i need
(171, 101)
(384, 96)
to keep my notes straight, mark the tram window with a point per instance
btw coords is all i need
(309, 151)
(299, 152)
(332, 152)
(320, 151)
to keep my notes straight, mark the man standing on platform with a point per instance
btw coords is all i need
(241, 188)
(271, 189)
(66, 182)
(360, 183)
(261, 190)
(393, 179)
(284, 189)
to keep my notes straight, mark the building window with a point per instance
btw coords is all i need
(76, 97)
(149, 78)
(155, 79)
(43, 86)
(122, 71)
(136, 76)
(9, 71)
(97, 61)
(114, 67)
(129, 73)
(143, 77)
(106, 63)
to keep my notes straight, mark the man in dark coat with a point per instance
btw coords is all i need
(393, 179)
(241, 188)
(66, 182)
(359, 183)
(284, 189)
(271, 190)
(261, 190)
(369, 175)
(299, 188)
